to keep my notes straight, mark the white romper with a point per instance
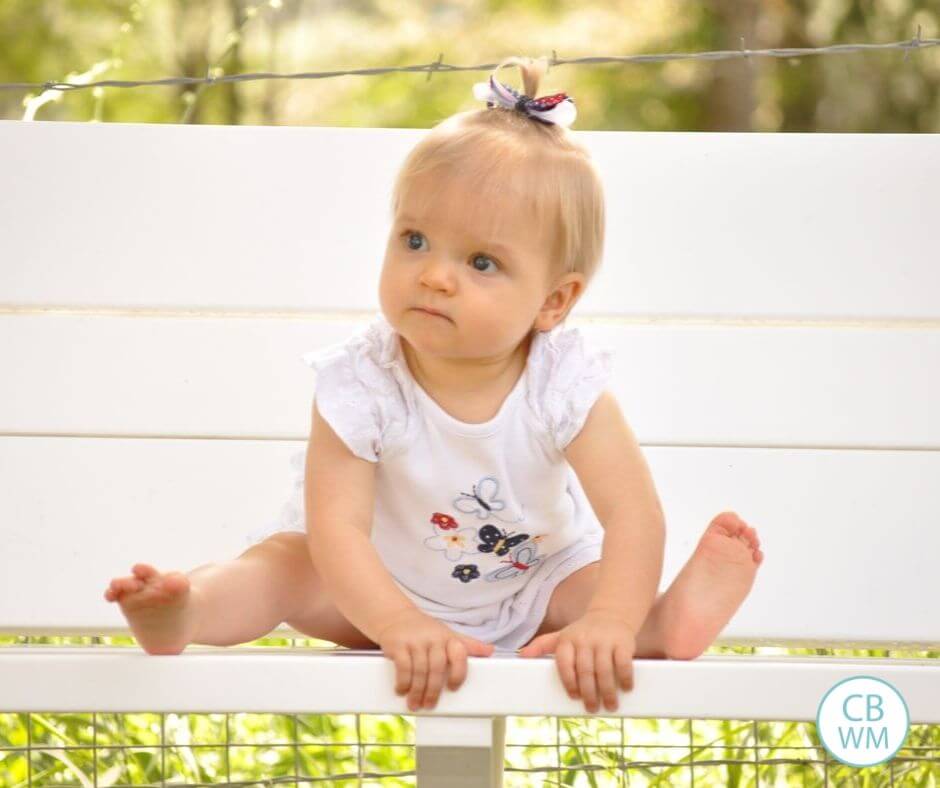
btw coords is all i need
(476, 523)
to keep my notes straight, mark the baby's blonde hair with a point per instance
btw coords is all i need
(504, 154)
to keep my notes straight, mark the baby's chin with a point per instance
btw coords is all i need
(425, 336)
(434, 337)
(427, 332)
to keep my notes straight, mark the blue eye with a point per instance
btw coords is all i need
(410, 234)
(483, 257)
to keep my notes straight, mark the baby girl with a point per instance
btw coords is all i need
(470, 482)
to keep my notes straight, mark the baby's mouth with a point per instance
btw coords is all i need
(427, 312)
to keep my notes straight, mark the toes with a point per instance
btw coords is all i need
(175, 581)
(725, 529)
(126, 584)
(743, 531)
(724, 523)
(120, 586)
(729, 524)
(144, 571)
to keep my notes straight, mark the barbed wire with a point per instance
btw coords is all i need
(215, 78)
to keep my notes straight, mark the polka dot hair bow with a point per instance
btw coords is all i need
(558, 109)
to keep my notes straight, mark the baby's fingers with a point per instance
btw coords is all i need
(477, 648)
(457, 659)
(402, 659)
(564, 661)
(584, 666)
(623, 659)
(419, 676)
(437, 667)
(604, 673)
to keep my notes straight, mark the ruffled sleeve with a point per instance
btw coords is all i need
(357, 392)
(291, 516)
(567, 376)
(361, 391)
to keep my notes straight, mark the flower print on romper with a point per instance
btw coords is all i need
(483, 502)
(449, 538)
(465, 572)
(444, 521)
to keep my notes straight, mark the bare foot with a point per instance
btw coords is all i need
(710, 587)
(159, 608)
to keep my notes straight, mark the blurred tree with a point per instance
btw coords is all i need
(148, 39)
(732, 92)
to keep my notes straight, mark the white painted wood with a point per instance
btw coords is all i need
(850, 556)
(248, 679)
(772, 300)
(466, 731)
(460, 752)
(677, 385)
(296, 218)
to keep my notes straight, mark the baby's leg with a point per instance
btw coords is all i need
(236, 601)
(570, 600)
(685, 619)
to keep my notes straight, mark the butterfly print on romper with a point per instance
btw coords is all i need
(452, 540)
(497, 540)
(523, 559)
(483, 501)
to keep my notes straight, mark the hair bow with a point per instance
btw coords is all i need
(558, 109)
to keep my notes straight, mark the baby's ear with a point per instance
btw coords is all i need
(564, 295)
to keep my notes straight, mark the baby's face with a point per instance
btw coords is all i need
(486, 268)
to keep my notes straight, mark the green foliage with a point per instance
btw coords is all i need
(589, 751)
(91, 40)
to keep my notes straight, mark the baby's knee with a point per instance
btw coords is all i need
(292, 540)
(287, 549)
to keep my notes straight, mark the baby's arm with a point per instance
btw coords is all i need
(339, 501)
(339, 498)
(595, 651)
(616, 478)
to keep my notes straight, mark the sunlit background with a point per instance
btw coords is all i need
(83, 41)
(91, 40)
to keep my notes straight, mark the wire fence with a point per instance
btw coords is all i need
(216, 75)
(160, 749)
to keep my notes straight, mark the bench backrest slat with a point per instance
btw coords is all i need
(772, 301)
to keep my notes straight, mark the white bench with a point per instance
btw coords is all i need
(773, 299)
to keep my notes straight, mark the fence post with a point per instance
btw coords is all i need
(460, 752)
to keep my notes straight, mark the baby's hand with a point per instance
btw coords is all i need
(424, 650)
(593, 654)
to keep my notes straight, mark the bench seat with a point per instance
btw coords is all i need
(294, 681)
